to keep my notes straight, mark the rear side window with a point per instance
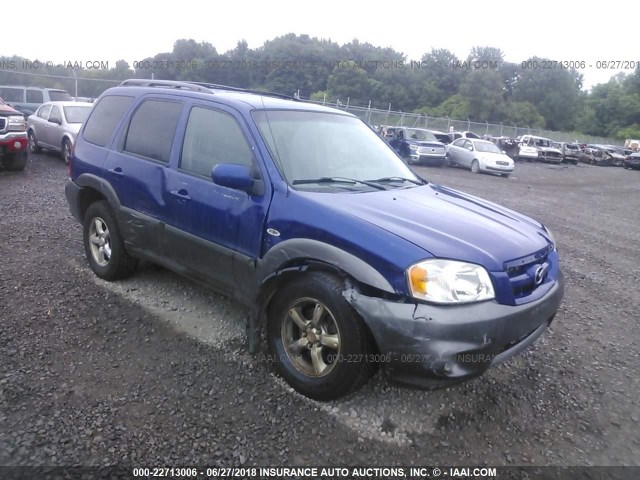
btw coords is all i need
(35, 96)
(105, 117)
(213, 137)
(152, 129)
(9, 94)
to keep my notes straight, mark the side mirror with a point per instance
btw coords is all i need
(232, 175)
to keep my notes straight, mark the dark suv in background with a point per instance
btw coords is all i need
(305, 215)
(417, 145)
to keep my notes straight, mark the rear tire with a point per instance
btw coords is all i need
(103, 244)
(15, 161)
(320, 345)
(65, 151)
(33, 143)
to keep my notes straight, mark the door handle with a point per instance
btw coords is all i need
(181, 194)
(117, 172)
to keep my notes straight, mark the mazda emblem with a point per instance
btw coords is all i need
(541, 271)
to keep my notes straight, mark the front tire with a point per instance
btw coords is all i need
(320, 345)
(16, 161)
(103, 244)
(475, 167)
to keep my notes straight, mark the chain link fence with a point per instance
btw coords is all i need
(376, 117)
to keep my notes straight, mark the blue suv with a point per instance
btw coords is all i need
(345, 258)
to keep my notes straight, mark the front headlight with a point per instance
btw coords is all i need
(413, 147)
(16, 123)
(449, 281)
(551, 237)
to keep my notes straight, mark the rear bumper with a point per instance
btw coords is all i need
(430, 345)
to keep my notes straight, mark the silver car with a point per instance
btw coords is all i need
(54, 126)
(479, 156)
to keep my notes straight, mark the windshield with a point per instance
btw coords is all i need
(318, 145)
(487, 147)
(421, 135)
(76, 114)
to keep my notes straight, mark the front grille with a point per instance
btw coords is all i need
(3, 123)
(431, 150)
(523, 272)
(501, 162)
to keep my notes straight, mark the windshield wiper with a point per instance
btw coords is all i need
(337, 180)
(398, 179)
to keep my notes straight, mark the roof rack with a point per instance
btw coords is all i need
(215, 86)
(142, 82)
(202, 87)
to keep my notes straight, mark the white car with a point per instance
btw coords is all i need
(54, 126)
(544, 149)
(479, 156)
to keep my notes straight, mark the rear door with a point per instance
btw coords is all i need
(215, 231)
(53, 128)
(136, 167)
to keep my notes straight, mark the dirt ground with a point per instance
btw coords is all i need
(153, 370)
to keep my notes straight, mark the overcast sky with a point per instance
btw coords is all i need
(132, 30)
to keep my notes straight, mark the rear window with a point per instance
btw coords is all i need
(59, 96)
(76, 114)
(105, 117)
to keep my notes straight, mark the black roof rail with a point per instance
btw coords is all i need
(144, 82)
(216, 86)
(202, 87)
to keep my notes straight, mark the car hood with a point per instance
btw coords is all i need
(450, 224)
(6, 110)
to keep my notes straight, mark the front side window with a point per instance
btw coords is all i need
(312, 145)
(213, 137)
(105, 117)
(44, 111)
(55, 114)
(76, 114)
(34, 96)
(152, 129)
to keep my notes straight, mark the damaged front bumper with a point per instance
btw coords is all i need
(434, 345)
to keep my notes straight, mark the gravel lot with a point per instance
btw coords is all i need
(153, 370)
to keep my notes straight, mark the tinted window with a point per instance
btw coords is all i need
(106, 115)
(59, 96)
(76, 114)
(35, 96)
(152, 128)
(44, 110)
(213, 137)
(12, 94)
(55, 113)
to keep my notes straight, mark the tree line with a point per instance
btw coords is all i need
(483, 87)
